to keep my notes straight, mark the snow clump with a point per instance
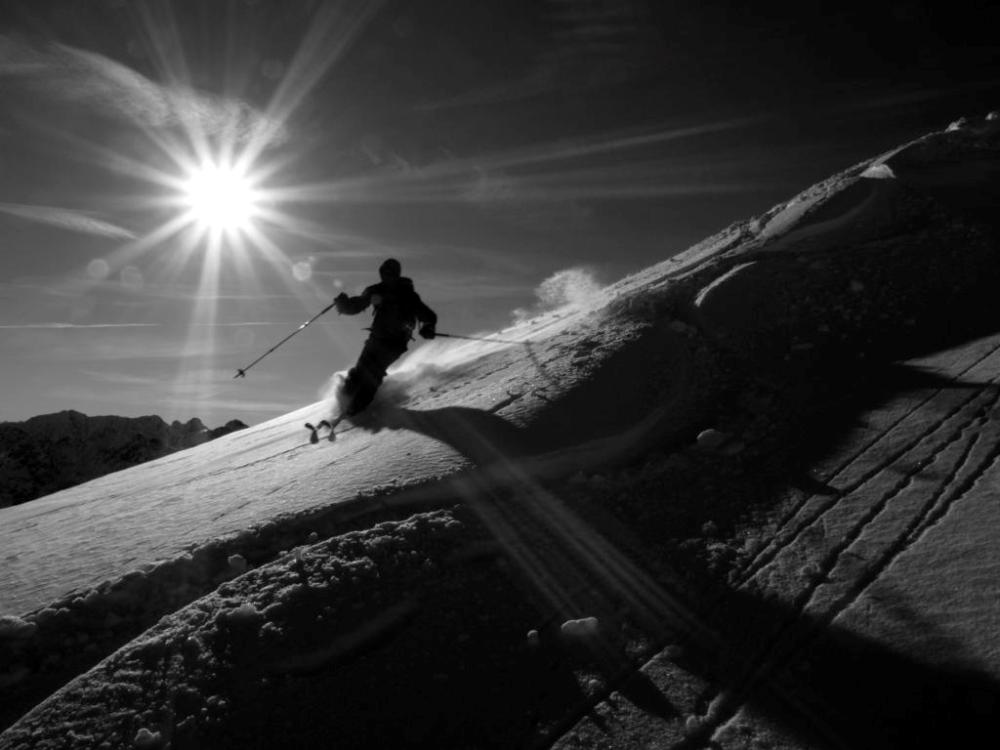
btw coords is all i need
(245, 613)
(711, 439)
(145, 739)
(16, 628)
(693, 725)
(237, 563)
(585, 627)
(879, 172)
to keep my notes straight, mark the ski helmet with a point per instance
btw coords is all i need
(390, 269)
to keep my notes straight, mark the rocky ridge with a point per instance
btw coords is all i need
(51, 452)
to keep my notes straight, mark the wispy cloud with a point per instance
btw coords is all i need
(195, 381)
(547, 172)
(123, 379)
(76, 286)
(119, 347)
(593, 43)
(66, 218)
(887, 101)
(236, 406)
(63, 75)
(242, 324)
(57, 326)
(53, 326)
(138, 397)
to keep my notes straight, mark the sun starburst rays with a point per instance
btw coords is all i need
(215, 225)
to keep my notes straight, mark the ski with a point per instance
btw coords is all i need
(332, 426)
(325, 424)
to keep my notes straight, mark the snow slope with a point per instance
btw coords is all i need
(703, 504)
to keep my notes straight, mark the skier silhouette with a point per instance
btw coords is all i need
(397, 309)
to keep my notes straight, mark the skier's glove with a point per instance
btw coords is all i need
(339, 300)
(427, 331)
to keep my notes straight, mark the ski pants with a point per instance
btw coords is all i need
(364, 379)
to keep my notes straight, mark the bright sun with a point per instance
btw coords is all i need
(220, 198)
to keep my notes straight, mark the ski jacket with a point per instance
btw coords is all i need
(396, 308)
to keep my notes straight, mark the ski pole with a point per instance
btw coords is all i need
(242, 372)
(476, 338)
(469, 338)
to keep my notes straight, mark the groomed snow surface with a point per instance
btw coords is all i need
(745, 498)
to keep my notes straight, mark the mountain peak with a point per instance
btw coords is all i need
(51, 452)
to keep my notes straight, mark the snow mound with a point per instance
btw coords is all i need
(879, 172)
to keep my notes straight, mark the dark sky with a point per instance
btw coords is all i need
(487, 143)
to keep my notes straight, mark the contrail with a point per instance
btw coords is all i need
(81, 325)
(141, 325)
(74, 221)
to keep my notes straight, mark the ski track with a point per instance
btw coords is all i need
(935, 469)
(909, 480)
(927, 515)
(782, 538)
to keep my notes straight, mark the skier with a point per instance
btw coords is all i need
(396, 308)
